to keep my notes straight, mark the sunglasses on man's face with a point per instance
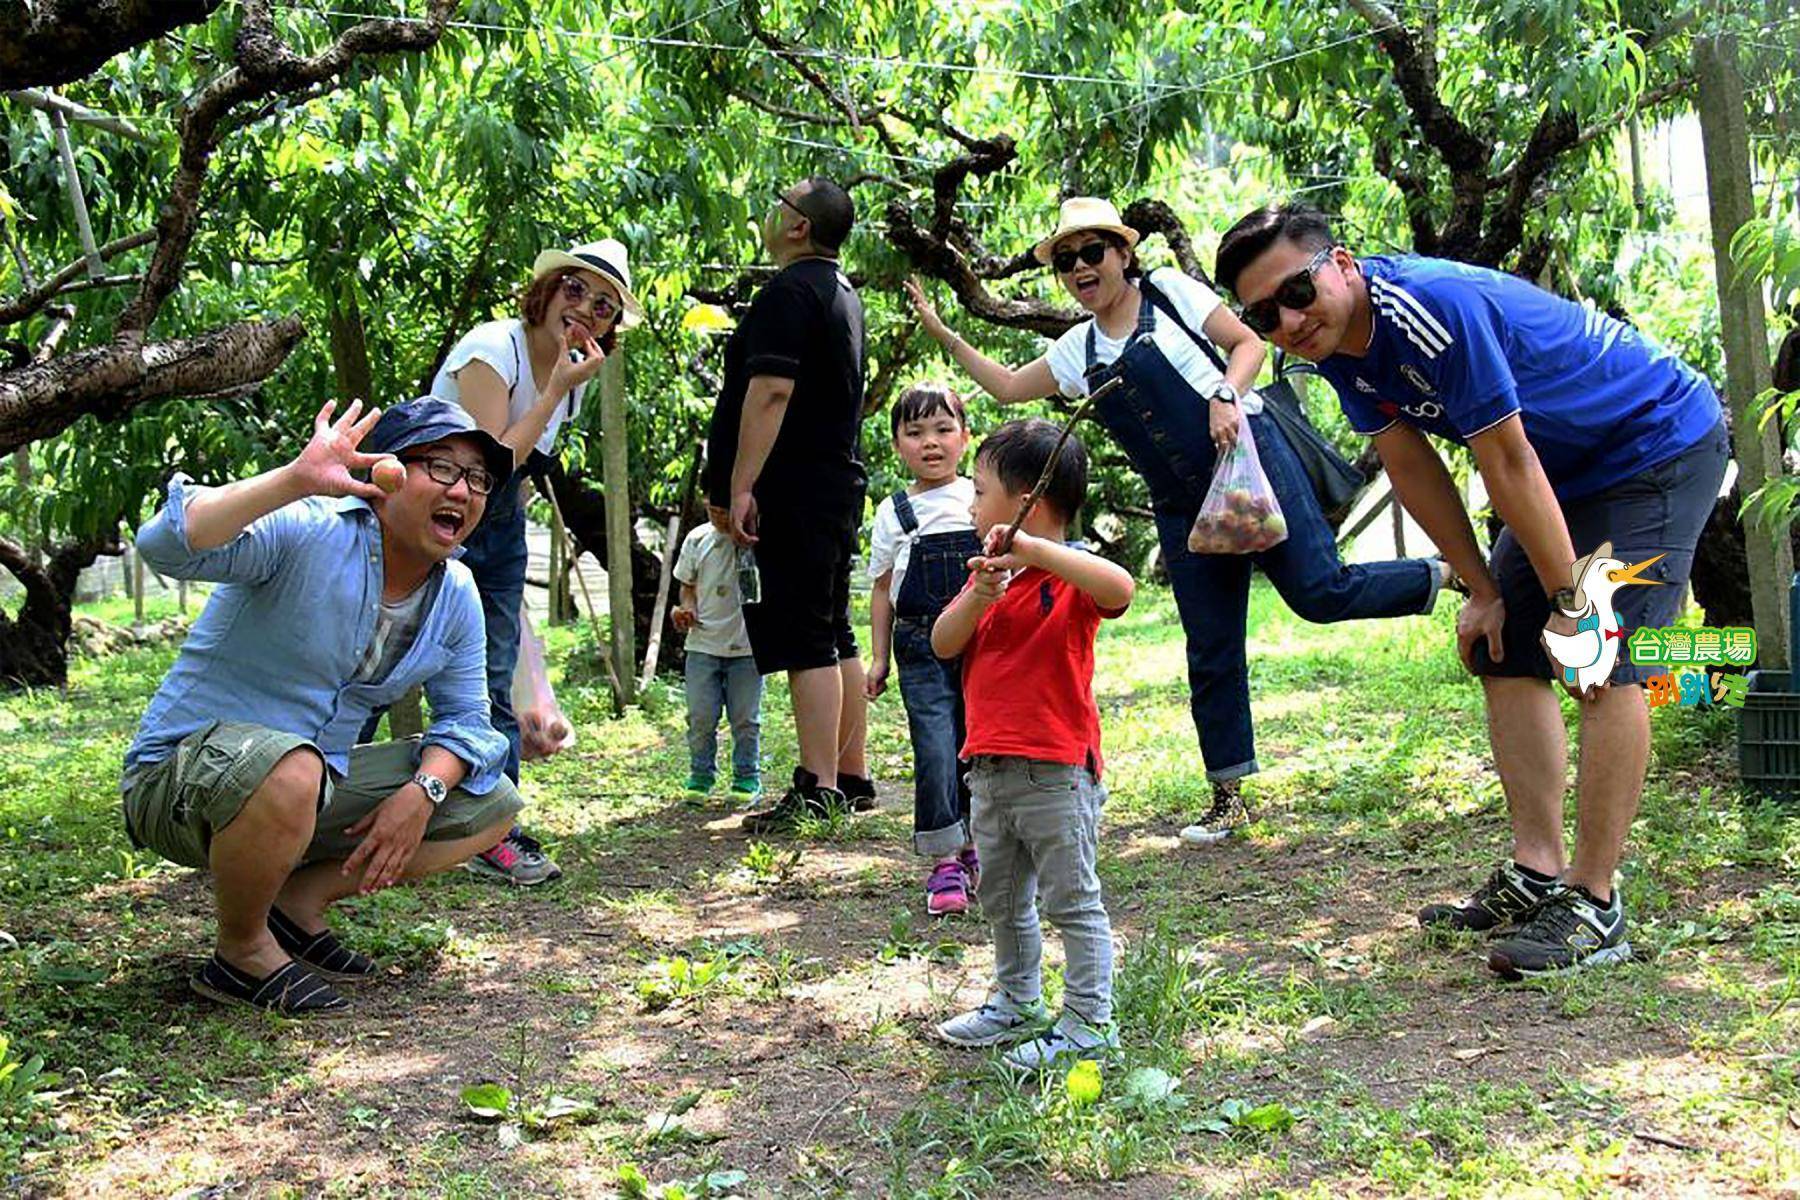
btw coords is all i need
(446, 471)
(1297, 292)
(575, 289)
(1063, 261)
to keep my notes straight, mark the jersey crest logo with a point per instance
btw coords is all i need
(1417, 378)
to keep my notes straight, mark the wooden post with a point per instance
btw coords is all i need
(616, 482)
(1399, 529)
(59, 124)
(1744, 332)
(137, 589)
(181, 596)
(406, 717)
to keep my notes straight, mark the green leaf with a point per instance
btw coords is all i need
(489, 1101)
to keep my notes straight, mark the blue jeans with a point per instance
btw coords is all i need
(732, 684)
(495, 554)
(931, 689)
(1212, 594)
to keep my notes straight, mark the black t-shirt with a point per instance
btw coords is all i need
(806, 324)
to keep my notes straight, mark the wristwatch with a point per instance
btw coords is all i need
(435, 791)
(1563, 599)
(1223, 390)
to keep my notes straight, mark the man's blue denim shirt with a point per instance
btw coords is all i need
(279, 643)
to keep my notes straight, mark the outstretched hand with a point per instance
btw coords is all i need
(324, 467)
(922, 308)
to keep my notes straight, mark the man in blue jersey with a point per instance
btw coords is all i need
(1584, 432)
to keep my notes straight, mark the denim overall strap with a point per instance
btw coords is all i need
(903, 512)
(935, 571)
(1156, 418)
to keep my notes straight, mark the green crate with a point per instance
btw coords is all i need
(1769, 737)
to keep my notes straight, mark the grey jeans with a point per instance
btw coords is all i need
(1037, 828)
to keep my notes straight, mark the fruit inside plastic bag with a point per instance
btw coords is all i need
(1240, 514)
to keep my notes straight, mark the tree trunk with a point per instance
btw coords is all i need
(43, 399)
(59, 41)
(1745, 332)
(349, 348)
(34, 647)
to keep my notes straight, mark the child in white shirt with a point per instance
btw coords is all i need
(721, 673)
(920, 548)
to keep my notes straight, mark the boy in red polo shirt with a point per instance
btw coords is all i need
(1025, 626)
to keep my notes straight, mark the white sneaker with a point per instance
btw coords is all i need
(998, 1020)
(1069, 1039)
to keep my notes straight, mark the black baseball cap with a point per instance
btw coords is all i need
(429, 419)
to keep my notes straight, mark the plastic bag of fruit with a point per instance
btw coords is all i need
(1240, 514)
(543, 729)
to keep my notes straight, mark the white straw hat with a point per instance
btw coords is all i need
(606, 258)
(1082, 213)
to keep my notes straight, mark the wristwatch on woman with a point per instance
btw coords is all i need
(1223, 390)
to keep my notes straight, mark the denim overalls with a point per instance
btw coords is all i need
(1161, 423)
(495, 554)
(931, 687)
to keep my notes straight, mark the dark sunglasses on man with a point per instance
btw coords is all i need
(1063, 261)
(1296, 292)
(446, 471)
(781, 198)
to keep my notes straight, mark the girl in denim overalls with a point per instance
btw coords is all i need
(1175, 413)
(924, 535)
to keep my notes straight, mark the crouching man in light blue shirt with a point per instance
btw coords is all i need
(336, 597)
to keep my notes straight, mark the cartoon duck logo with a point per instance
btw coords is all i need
(1587, 656)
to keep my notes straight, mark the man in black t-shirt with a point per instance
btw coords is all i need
(784, 474)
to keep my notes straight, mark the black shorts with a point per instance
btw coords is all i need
(1658, 511)
(804, 559)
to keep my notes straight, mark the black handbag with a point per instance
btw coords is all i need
(1334, 481)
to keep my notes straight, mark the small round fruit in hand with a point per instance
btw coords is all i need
(389, 475)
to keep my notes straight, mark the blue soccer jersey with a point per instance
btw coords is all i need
(1458, 349)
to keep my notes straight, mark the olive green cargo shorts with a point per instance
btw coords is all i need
(175, 806)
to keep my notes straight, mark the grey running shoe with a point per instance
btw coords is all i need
(1567, 931)
(1495, 906)
(997, 1020)
(1069, 1039)
(519, 860)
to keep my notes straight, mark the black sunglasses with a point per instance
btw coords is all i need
(447, 471)
(1063, 261)
(1296, 292)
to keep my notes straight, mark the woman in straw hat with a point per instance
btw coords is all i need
(522, 379)
(1188, 365)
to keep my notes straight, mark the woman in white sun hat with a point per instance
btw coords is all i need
(1188, 365)
(522, 378)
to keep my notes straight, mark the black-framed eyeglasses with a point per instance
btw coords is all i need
(781, 198)
(446, 471)
(575, 289)
(1063, 261)
(1296, 292)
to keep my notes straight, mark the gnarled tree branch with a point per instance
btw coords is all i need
(57, 41)
(29, 302)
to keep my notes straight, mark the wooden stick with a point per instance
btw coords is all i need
(1043, 482)
(672, 546)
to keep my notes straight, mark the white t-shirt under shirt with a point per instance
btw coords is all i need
(1068, 354)
(501, 345)
(940, 510)
(708, 564)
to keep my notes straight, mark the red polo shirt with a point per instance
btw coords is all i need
(1028, 674)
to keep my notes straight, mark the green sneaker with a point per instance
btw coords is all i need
(746, 787)
(698, 784)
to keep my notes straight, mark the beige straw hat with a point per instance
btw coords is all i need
(606, 258)
(1085, 212)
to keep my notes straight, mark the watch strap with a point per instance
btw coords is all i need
(433, 787)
